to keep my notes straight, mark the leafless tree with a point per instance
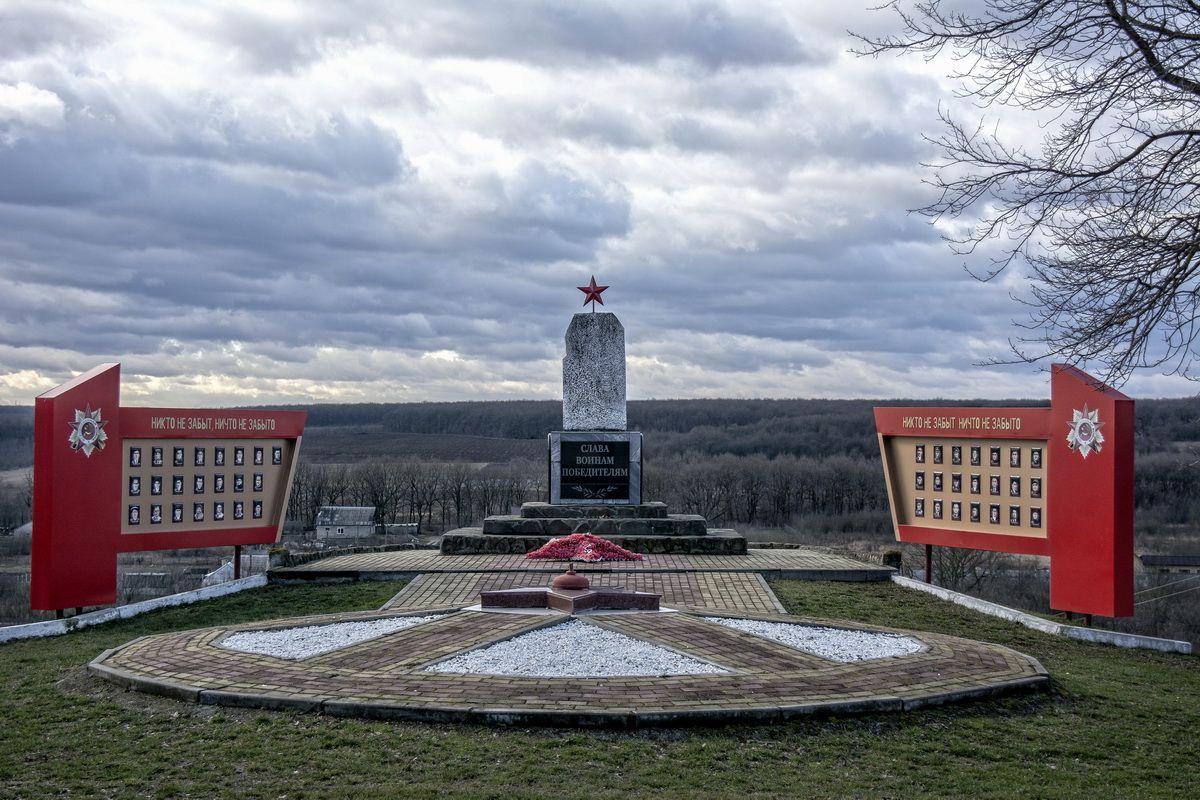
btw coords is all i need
(383, 485)
(455, 494)
(425, 486)
(963, 570)
(1105, 212)
(314, 486)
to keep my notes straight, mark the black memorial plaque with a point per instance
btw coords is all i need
(595, 471)
(595, 468)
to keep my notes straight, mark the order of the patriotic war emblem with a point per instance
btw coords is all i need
(87, 431)
(1084, 434)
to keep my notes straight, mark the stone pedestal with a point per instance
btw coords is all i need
(642, 528)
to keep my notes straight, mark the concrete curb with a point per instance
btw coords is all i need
(1095, 635)
(628, 718)
(232, 699)
(865, 575)
(57, 627)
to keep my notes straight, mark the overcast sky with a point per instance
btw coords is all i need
(277, 202)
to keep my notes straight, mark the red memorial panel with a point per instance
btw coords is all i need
(111, 480)
(1054, 482)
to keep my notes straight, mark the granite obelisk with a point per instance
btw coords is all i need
(593, 459)
(594, 374)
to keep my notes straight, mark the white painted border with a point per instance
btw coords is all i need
(57, 627)
(1097, 635)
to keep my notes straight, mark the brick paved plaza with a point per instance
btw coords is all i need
(697, 591)
(384, 677)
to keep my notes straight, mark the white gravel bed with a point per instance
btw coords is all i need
(297, 643)
(574, 649)
(834, 644)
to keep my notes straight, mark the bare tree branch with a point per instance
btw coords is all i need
(1104, 217)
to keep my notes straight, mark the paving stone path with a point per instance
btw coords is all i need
(687, 590)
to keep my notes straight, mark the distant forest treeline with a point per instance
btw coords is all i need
(770, 428)
(761, 462)
(712, 427)
(715, 427)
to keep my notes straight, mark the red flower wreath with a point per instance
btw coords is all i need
(583, 547)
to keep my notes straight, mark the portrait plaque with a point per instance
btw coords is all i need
(103, 471)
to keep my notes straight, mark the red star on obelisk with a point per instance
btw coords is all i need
(592, 294)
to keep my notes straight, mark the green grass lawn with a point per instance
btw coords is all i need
(1119, 724)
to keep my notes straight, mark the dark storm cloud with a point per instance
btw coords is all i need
(340, 149)
(542, 198)
(711, 35)
(690, 133)
(856, 143)
(168, 203)
(744, 91)
(269, 43)
(605, 125)
(93, 157)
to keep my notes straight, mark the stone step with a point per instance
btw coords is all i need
(638, 510)
(673, 525)
(717, 542)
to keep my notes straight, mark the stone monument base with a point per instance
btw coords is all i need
(642, 528)
(717, 542)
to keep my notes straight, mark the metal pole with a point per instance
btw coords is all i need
(237, 561)
(929, 563)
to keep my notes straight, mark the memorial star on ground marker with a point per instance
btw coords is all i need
(592, 293)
